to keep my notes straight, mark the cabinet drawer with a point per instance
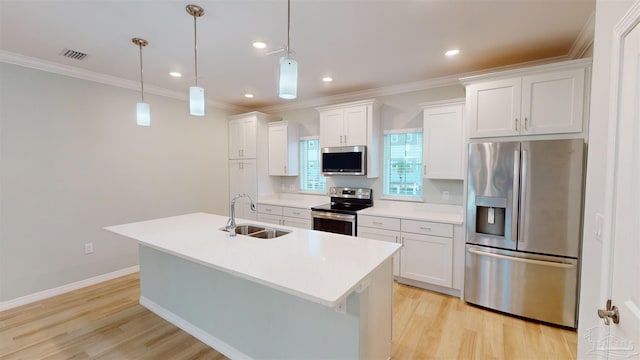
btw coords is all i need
(427, 228)
(379, 222)
(271, 219)
(297, 222)
(269, 209)
(297, 212)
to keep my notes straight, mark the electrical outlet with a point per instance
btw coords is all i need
(88, 248)
(445, 195)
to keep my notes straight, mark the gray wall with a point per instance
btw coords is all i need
(397, 112)
(72, 161)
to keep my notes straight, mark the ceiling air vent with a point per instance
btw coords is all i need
(73, 54)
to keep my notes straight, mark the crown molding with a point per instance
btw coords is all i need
(585, 38)
(75, 72)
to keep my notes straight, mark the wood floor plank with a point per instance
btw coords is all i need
(105, 321)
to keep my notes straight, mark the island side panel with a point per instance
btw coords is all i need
(244, 318)
(376, 313)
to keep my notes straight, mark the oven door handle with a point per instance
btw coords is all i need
(332, 216)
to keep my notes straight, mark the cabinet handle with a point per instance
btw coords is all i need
(425, 228)
(345, 139)
(516, 124)
(396, 238)
(377, 223)
(285, 169)
(241, 166)
(295, 213)
(340, 139)
(424, 171)
(268, 210)
(525, 124)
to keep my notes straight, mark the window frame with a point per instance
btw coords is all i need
(303, 168)
(385, 175)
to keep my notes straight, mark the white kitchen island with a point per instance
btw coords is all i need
(304, 295)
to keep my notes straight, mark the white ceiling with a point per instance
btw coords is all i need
(362, 44)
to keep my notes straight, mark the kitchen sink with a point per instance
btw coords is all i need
(258, 231)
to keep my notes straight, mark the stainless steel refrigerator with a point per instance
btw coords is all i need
(524, 220)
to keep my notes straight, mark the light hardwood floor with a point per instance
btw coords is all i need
(105, 321)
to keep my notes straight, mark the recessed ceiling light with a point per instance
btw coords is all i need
(452, 52)
(327, 79)
(175, 74)
(248, 96)
(259, 45)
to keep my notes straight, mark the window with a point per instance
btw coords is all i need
(403, 163)
(310, 178)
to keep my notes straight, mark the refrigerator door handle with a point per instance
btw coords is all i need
(515, 195)
(523, 197)
(523, 260)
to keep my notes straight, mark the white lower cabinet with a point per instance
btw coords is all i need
(427, 258)
(383, 235)
(288, 216)
(427, 252)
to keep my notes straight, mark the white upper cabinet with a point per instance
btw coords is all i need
(443, 135)
(283, 148)
(343, 127)
(242, 138)
(353, 124)
(547, 99)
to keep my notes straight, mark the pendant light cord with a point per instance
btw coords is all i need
(195, 47)
(288, 28)
(141, 79)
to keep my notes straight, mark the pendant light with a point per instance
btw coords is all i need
(288, 87)
(196, 94)
(143, 116)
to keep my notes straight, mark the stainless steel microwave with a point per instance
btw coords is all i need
(344, 160)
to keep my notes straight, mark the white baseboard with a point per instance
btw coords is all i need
(219, 345)
(28, 299)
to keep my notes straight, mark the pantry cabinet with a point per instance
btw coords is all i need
(283, 148)
(243, 180)
(353, 124)
(443, 136)
(242, 138)
(548, 99)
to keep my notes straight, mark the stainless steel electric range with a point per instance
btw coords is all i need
(341, 215)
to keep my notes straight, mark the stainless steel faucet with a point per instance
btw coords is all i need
(231, 223)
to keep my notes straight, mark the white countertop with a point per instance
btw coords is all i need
(317, 266)
(451, 214)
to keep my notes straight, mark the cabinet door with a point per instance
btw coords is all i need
(443, 142)
(553, 102)
(235, 139)
(494, 108)
(331, 128)
(427, 258)
(278, 154)
(355, 126)
(383, 235)
(297, 222)
(249, 131)
(242, 179)
(242, 138)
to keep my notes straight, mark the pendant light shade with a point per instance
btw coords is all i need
(288, 78)
(288, 85)
(196, 101)
(196, 94)
(143, 114)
